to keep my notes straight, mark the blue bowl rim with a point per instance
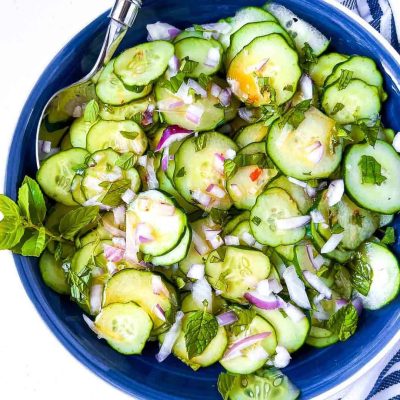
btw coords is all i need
(73, 346)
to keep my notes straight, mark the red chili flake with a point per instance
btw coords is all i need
(255, 174)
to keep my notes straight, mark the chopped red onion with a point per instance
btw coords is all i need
(219, 160)
(112, 253)
(317, 217)
(196, 271)
(158, 286)
(232, 240)
(319, 261)
(293, 222)
(315, 152)
(199, 244)
(216, 191)
(111, 267)
(312, 192)
(235, 349)
(161, 31)
(91, 325)
(225, 97)
(213, 57)
(358, 304)
(112, 229)
(165, 159)
(294, 313)
(216, 242)
(248, 238)
(183, 93)
(194, 113)
(263, 288)
(297, 182)
(306, 87)
(275, 285)
(296, 288)
(128, 196)
(236, 190)
(163, 209)
(143, 233)
(173, 65)
(159, 312)
(340, 303)
(335, 192)
(96, 298)
(201, 290)
(316, 282)
(316, 262)
(282, 357)
(197, 88)
(210, 233)
(218, 292)
(147, 118)
(170, 338)
(226, 318)
(46, 147)
(119, 242)
(247, 115)
(119, 215)
(332, 243)
(270, 302)
(396, 142)
(215, 90)
(202, 198)
(152, 181)
(142, 161)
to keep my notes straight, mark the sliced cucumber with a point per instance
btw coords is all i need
(321, 337)
(54, 216)
(302, 32)
(245, 363)
(126, 327)
(78, 132)
(356, 101)
(290, 334)
(56, 173)
(237, 272)
(52, 273)
(131, 285)
(272, 205)
(247, 33)
(385, 284)
(196, 170)
(293, 150)
(280, 68)
(324, 67)
(76, 189)
(189, 304)
(66, 142)
(251, 134)
(383, 198)
(189, 34)
(287, 252)
(121, 136)
(231, 225)
(111, 90)
(143, 64)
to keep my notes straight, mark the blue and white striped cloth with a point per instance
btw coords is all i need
(379, 14)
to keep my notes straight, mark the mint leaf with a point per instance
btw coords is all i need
(201, 328)
(230, 168)
(79, 283)
(361, 274)
(218, 216)
(11, 224)
(181, 173)
(204, 81)
(345, 78)
(295, 116)
(264, 84)
(342, 282)
(225, 384)
(344, 322)
(256, 220)
(35, 245)
(200, 142)
(259, 159)
(31, 201)
(91, 111)
(174, 83)
(244, 318)
(288, 88)
(389, 237)
(309, 56)
(370, 131)
(371, 171)
(188, 66)
(126, 161)
(72, 222)
(357, 218)
(114, 192)
(337, 228)
(338, 107)
(129, 135)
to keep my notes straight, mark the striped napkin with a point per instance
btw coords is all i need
(383, 382)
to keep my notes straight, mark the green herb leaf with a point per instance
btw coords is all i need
(289, 88)
(91, 111)
(31, 201)
(344, 322)
(138, 117)
(72, 222)
(309, 56)
(389, 237)
(342, 282)
(181, 173)
(218, 216)
(357, 218)
(244, 318)
(114, 192)
(35, 245)
(79, 283)
(230, 168)
(371, 171)
(345, 78)
(264, 84)
(361, 274)
(200, 142)
(126, 161)
(256, 220)
(129, 135)
(338, 107)
(11, 224)
(204, 81)
(188, 66)
(337, 228)
(370, 131)
(295, 116)
(201, 328)
(225, 384)
(174, 83)
(259, 159)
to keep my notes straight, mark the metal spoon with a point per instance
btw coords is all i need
(66, 103)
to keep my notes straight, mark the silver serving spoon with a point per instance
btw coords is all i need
(67, 102)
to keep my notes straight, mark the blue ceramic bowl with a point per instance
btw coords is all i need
(316, 372)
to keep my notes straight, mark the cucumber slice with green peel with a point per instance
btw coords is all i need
(289, 334)
(324, 67)
(245, 363)
(66, 143)
(196, 170)
(274, 204)
(384, 197)
(277, 386)
(53, 274)
(126, 327)
(189, 34)
(301, 31)
(76, 189)
(339, 254)
(209, 356)
(172, 149)
(98, 178)
(159, 215)
(131, 285)
(111, 90)
(298, 193)
(204, 48)
(237, 271)
(217, 306)
(231, 224)
(56, 173)
(251, 134)
(143, 64)
(247, 33)
(287, 252)
(321, 337)
(294, 151)
(242, 17)
(358, 224)
(90, 255)
(385, 283)
(356, 101)
(121, 136)
(267, 58)
(78, 132)
(240, 229)
(177, 254)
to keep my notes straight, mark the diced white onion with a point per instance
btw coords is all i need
(396, 142)
(258, 246)
(294, 313)
(161, 31)
(1, 216)
(158, 286)
(199, 244)
(173, 65)
(96, 297)
(215, 90)
(248, 238)
(296, 288)
(332, 243)
(316, 282)
(315, 152)
(282, 357)
(142, 161)
(111, 267)
(216, 191)
(257, 354)
(275, 285)
(317, 217)
(230, 154)
(197, 88)
(202, 198)
(119, 215)
(46, 146)
(170, 338)
(297, 182)
(306, 87)
(196, 271)
(231, 240)
(152, 181)
(335, 192)
(293, 222)
(183, 93)
(201, 291)
(213, 57)
(216, 242)
(194, 113)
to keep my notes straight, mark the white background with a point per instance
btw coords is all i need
(33, 364)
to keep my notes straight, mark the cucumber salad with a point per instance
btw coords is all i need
(225, 192)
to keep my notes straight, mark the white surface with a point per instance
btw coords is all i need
(33, 364)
